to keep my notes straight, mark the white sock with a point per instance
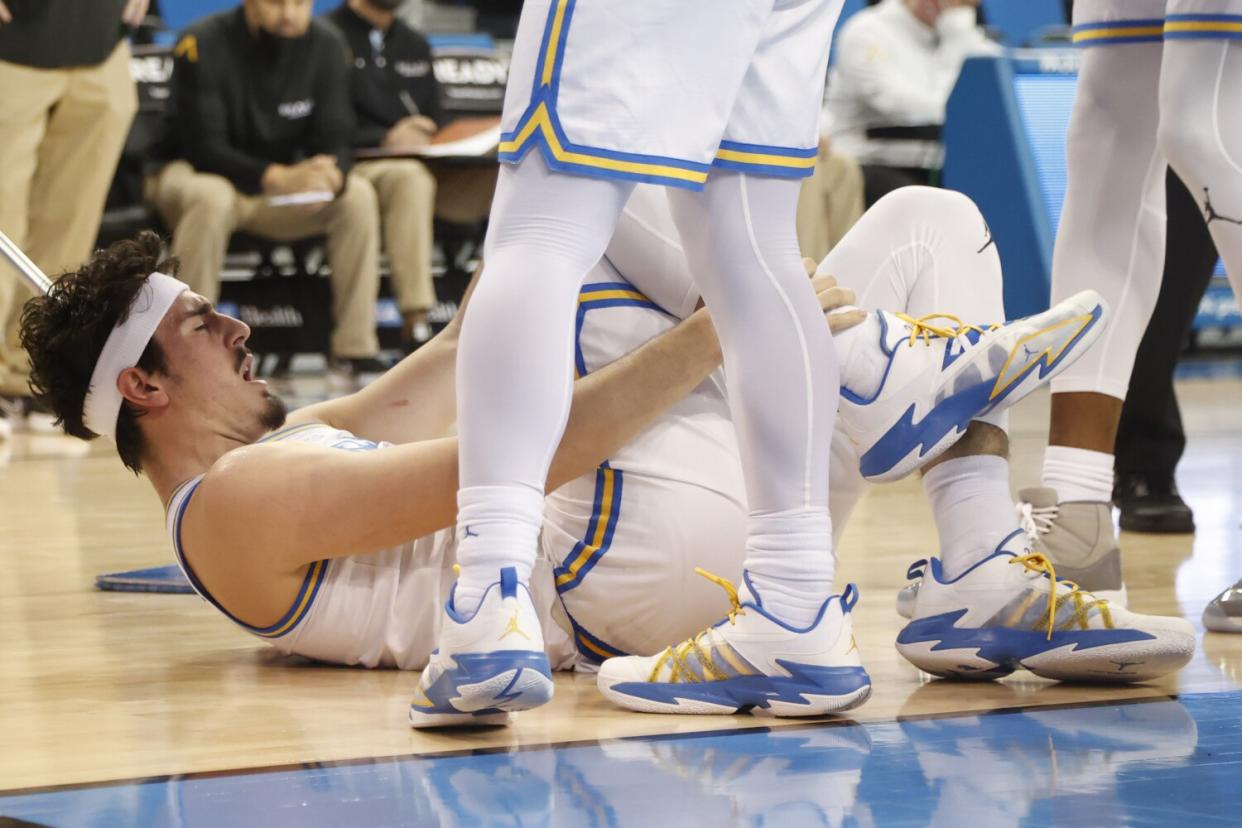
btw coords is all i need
(790, 562)
(497, 526)
(971, 504)
(860, 357)
(1079, 474)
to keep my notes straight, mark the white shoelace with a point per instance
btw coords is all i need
(1036, 520)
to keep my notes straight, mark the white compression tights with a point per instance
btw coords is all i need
(1111, 236)
(1201, 134)
(740, 240)
(515, 362)
(515, 359)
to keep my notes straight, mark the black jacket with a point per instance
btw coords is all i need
(389, 83)
(61, 34)
(241, 102)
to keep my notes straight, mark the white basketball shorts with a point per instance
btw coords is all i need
(664, 90)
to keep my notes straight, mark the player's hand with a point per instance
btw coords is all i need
(135, 12)
(6, 16)
(833, 299)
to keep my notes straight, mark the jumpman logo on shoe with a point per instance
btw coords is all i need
(1209, 212)
(513, 628)
(470, 533)
(987, 232)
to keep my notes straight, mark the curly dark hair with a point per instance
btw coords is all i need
(65, 330)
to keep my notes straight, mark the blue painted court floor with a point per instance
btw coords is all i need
(1164, 762)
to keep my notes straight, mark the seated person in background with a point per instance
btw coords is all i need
(260, 108)
(396, 102)
(830, 201)
(896, 64)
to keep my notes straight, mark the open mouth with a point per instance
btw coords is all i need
(247, 367)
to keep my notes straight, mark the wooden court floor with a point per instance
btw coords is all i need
(99, 686)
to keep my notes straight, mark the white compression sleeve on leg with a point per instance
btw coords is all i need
(1111, 235)
(515, 359)
(783, 382)
(1201, 133)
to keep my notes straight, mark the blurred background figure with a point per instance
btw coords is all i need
(396, 102)
(67, 103)
(830, 202)
(895, 65)
(260, 115)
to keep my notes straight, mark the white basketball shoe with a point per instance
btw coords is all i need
(748, 662)
(1010, 611)
(941, 375)
(489, 664)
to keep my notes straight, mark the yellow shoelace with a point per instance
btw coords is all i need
(923, 327)
(1083, 601)
(676, 656)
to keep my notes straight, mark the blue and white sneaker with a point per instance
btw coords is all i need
(489, 664)
(1010, 611)
(940, 376)
(748, 662)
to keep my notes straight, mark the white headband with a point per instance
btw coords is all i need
(124, 348)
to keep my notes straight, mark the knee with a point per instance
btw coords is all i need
(358, 204)
(932, 205)
(408, 185)
(209, 199)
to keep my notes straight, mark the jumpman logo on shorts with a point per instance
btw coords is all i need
(987, 232)
(1209, 212)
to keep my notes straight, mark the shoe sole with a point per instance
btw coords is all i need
(1079, 656)
(875, 468)
(763, 696)
(482, 689)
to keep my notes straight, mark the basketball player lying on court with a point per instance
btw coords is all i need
(302, 532)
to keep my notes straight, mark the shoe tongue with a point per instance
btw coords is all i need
(1041, 497)
(894, 331)
(746, 594)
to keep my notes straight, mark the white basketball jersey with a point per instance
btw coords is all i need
(376, 610)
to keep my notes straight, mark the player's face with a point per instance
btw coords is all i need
(281, 18)
(211, 372)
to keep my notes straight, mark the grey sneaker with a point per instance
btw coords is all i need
(1078, 537)
(1224, 613)
(909, 594)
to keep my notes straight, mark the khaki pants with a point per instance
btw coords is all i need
(204, 210)
(407, 197)
(61, 134)
(830, 202)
